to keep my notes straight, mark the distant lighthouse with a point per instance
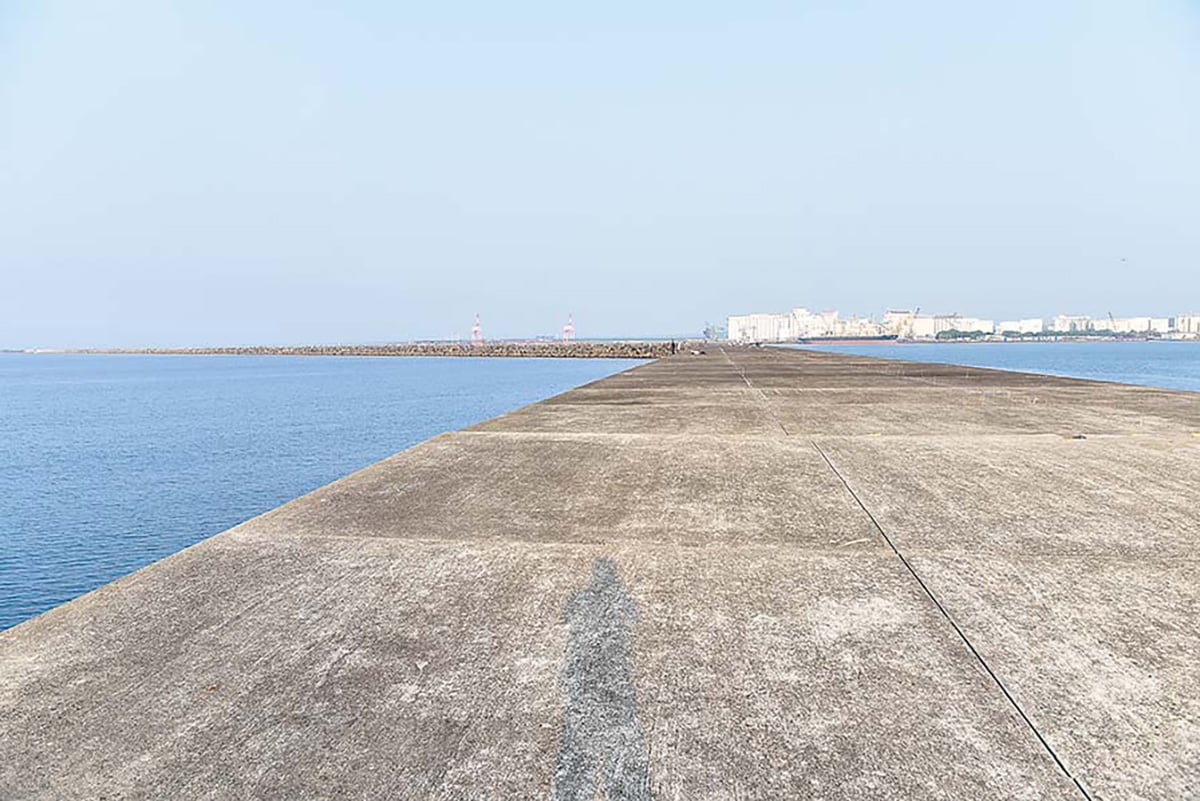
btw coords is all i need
(476, 332)
(569, 329)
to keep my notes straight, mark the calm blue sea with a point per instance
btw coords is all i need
(1174, 365)
(108, 463)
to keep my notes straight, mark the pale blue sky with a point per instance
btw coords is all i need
(231, 172)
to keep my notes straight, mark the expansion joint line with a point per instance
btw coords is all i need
(957, 629)
(762, 396)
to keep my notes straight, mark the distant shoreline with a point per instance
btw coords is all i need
(592, 349)
(985, 341)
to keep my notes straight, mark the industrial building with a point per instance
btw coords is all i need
(1187, 324)
(783, 327)
(1033, 325)
(801, 324)
(1136, 325)
(1072, 323)
(929, 326)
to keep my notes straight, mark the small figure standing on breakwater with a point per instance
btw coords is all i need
(602, 745)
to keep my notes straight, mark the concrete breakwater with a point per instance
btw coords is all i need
(752, 574)
(648, 349)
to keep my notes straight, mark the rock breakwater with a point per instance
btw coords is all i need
(571, 350)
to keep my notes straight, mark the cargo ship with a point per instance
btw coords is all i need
(881, 338)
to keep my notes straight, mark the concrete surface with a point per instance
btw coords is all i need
(748, 574)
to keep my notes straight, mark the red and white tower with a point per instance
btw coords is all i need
(569, 329)
(476, 332)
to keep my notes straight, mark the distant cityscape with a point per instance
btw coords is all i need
(801, 325)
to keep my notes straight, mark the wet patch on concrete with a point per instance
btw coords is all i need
(603, 750)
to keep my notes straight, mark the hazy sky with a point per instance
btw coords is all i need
(233, 172)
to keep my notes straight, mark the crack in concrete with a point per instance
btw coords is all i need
(957, 629)
(927, 591)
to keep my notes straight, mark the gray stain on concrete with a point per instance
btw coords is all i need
(602, 744)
